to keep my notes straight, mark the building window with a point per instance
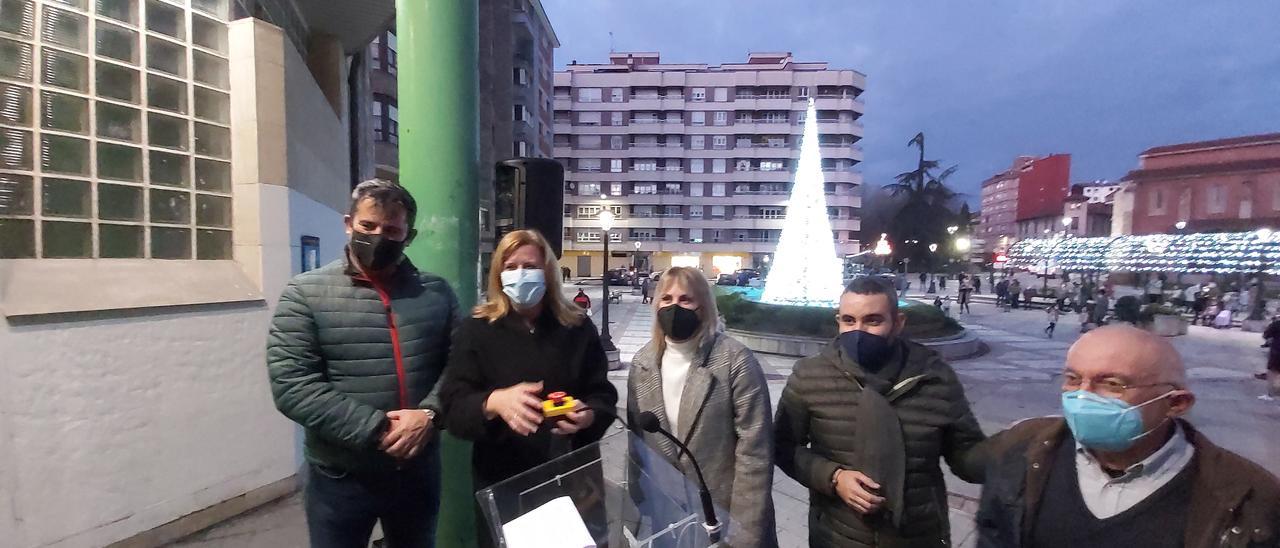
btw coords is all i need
(519, 76)
(589, 142)
(699, 94)
(589, 237)
(802, 92)
(589, 165)
(589, 189)
(722, 94)
(698, 118)
(520, 149)
(1217, 199)
(696, 165)
(79, 176)
(615, 95)
(644, 188)
(383, 52)
(720, 142)
(776, 117)
(386, 119)
(771, 165)
(615, 165)
(721, 118)
(615, 189)
(519, 113)
(717, 211)
(697, 142)
(588, 212)
(589, 118)
(615, 142)
(1157, 201)
(645, 165)
(717, 190)
(615, 118)
(672, 164)
(589, 95)
(718, 165)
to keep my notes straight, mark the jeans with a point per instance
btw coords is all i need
(342, 507)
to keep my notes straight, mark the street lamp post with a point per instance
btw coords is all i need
(606, 224)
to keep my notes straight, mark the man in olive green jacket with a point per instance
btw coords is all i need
(355, 354)
(864, 424)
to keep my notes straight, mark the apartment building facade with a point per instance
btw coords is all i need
(696, 161)
(1024, 200)
(516, 53)
(1228, 184)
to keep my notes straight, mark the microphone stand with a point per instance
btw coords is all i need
(649, 422)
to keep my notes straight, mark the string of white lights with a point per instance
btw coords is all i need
(1201, 253)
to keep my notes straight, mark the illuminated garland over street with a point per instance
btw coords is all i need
(1217, 253)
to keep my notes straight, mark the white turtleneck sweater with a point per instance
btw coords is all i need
(676, 361)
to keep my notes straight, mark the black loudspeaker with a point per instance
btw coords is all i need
(529, 193)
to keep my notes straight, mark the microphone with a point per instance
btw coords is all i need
(648, 422)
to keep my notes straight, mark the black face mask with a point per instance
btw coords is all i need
(678, 322)
(871, 351)
(375, 251)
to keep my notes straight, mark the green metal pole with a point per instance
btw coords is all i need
(440, 153)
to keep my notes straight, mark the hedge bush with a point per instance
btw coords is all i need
(923, 321)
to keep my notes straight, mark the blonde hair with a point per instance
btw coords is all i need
(697, 285)
(499, 305)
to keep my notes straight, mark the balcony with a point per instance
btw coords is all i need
(837, 102)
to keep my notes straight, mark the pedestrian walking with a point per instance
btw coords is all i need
(1101, 305)
(582, 300)
(1015, 293)
(1002, 294)
(977, 285)
(966, 289)
(355, 354)
(1155, 289)
(942, 282)
(865, 424)
(923, 277)
(1271, 334)
(1053, 313)
(645, 287)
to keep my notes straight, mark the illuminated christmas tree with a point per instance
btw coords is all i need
(806, 270)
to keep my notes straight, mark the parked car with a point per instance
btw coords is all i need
(745, 275)
(727, 279)
(619, 276)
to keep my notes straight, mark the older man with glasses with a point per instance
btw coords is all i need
(1122, 467)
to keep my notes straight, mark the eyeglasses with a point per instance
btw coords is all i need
(1106, 386)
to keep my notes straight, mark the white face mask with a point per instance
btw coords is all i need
(524, 286)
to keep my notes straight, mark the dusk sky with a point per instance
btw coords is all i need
(986, 81)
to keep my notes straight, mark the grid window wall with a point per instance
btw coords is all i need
(114, 130)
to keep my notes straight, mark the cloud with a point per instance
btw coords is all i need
(987, 81)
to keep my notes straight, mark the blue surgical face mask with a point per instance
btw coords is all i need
(524, 286)
(1103, 423)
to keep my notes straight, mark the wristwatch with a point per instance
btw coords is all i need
(431, 414)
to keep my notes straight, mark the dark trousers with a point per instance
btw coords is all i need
(342, 507)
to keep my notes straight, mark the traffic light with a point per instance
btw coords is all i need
(529, 193)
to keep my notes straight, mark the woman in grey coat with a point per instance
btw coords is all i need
(710, 392)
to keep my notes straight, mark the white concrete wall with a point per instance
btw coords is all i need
(114, 424)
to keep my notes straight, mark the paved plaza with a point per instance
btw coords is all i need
(1012, 381)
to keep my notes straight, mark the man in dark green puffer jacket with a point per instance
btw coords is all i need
(864, 424)
(355, 354)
